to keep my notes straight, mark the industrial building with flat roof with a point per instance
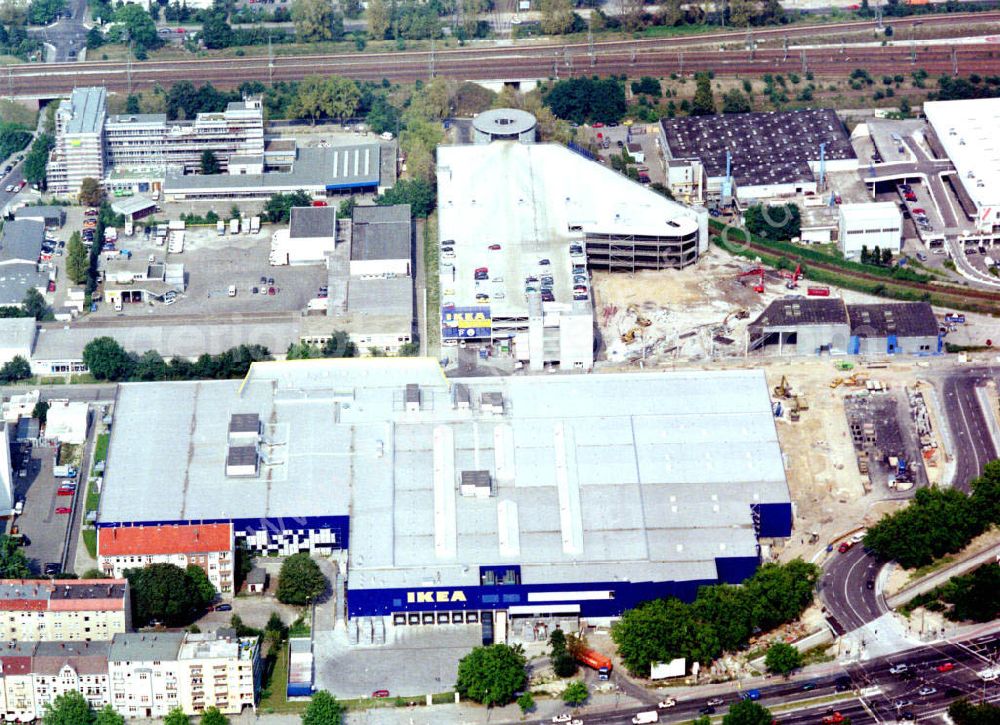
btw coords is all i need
(967, 131)
(509, 215)
(353, 168)
(814, 326)
(770, 154)
(527, 494)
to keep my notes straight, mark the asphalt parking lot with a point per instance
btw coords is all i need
(212, 263)
(45, 529)
(418, 661)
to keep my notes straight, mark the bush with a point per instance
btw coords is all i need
(492, 675)
(300, 580)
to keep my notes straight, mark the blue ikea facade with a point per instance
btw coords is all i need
(774, 520)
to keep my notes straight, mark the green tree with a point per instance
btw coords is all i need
(782, 658)
(418, 193)
(780, 592)
(331, 97)
(557, 16)
(661, 630)
(317, 20)
(68, 709)
(557, 643)
(729, 609)
(279, 207)
(339, 345)
(323, 710)
(167, 593)
(176, 717)
(43, 12)
(735, 102)
(383, 116)
(136, 25)
(41, 412)
(107, 716)
(13, 562)
(199, 580)
(107, 360)
(209, 163)
(77, 259)
(963, 712)
(300, 581)
(747, 712)
(703, 103)
(587, 99)
(212, 716)
(379, 19)
(564, 664)
(526, 702)
(575, 693)
(91, 192)
(37, 160)
(886, 257)
(34, 305)
(774, 222)
(216, 32)
(492, 675)
(15, 369)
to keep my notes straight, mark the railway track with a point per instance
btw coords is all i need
(654, 56)
(959, 295)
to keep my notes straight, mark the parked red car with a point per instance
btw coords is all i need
(845, 547)
(380, 693)
(66, 491)
(946, 667)
(63, 510)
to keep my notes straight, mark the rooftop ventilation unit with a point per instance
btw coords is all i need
(463, 398)
(476, 484)
(241, 461)
(492, 403)
(412, 398)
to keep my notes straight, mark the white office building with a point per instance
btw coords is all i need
(79, 142)
(878, 224)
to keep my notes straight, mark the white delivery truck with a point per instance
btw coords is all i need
(234, 226)
(64, 471)
(220, 227)
(244, 226)
(646, 717)
(254, 224)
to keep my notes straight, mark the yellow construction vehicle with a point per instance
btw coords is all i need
(793, 412)
(629, 336)
(783, 389)
(836, 383)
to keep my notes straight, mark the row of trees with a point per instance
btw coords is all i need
(972, 597)
(938, 521)
(37, 160)
(108, 360)
(876, 256)
(71, 708)
(722, 617)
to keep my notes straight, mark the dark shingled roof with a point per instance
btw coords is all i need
(903, 319)
(802, 311)
(771, 147)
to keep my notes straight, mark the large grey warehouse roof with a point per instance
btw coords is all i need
(903, 319)
(642, 476)
(380, 232)
(767, 148)
(17, 279)
(310, 222)
(22, 240)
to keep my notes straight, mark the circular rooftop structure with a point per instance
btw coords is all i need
(504, 124)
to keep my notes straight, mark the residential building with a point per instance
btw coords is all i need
(61, 667)
(151, 674)
(208, 546)
(219, 671)
(79, 141)
(18, 686)
(869, 225)
(63, 609)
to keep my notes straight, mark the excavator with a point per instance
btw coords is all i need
(792, 278)
(754, 272)
(783, 389)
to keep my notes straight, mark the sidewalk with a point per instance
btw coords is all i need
(942, 575)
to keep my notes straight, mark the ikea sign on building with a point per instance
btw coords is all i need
(466, 322)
